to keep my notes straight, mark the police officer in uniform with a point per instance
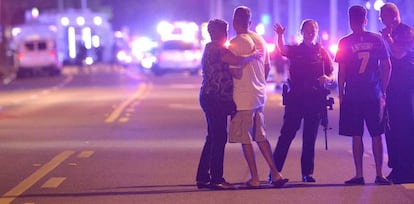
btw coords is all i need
(310, 70)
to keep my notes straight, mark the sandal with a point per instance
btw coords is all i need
(249, 185)
(279, 183)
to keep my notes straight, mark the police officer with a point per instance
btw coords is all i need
(400, 95)
(310, 70)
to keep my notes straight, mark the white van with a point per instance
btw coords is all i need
(178, 55)
(37, 55)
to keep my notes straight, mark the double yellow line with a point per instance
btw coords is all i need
(34, 178)
(39, 174)
(137, 97)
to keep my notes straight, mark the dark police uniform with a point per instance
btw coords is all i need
(400, 106)
(305, 100)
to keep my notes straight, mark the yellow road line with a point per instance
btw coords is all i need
(85, 154)
(53, 182)
(34, 178)
(409, 186)
(118, 111)
(123, 120)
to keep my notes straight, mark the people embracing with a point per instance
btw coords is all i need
(363, 76)
(309, 72)
(216, 100)
(249, 95)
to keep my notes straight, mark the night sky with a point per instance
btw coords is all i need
(141, 16)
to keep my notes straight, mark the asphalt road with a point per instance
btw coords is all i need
(113, 135)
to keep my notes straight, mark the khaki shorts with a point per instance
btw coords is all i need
(247, 125)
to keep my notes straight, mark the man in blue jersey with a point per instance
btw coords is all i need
(363, 76)
(400, 95)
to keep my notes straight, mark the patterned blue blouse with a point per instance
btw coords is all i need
(217, 79)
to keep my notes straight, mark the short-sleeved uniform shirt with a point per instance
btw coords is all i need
(307, 64)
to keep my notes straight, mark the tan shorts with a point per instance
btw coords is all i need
(247, 125)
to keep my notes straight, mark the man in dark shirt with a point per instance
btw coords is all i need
(400, 95)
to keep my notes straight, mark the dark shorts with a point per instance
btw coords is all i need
(353, 114)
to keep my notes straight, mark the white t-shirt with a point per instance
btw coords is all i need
(249, 91)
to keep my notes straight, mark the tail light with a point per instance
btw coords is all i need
(20, 55)
(52, 53)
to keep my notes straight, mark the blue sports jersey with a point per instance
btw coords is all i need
(361, 53)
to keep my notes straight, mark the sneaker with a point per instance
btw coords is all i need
(308, 179)
(382, 181)
(356, 181)
(203, 184)
(224, 185)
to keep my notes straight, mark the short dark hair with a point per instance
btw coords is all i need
(216, 27)
(242, 15)
(357, 14)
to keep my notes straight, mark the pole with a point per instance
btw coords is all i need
(333, 11)
(84, 4)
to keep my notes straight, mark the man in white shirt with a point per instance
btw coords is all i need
(249, 96)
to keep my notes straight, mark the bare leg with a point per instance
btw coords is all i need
(266, 151)
(377, 150)
(358, 150)
(251, 162)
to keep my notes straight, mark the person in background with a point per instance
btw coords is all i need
(363, 76)
(399, 134)
(249, 95)
(216, 100)
(310, 70)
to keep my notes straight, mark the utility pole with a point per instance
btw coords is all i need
(84, 4)
(4, 24)
(294, 12)
(373, 17)
(61, 5)
(216, 9)
(333, 24)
